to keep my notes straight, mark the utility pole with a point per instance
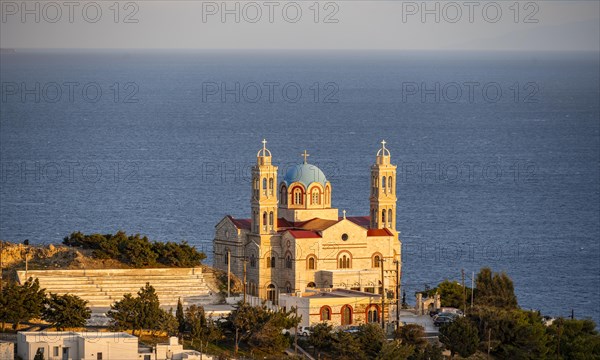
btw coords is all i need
(398, 306)
(462, 273)
(228, 273)
(382, 294)
(472, 288)
(296, 333)
(245, 279)
(26, 243)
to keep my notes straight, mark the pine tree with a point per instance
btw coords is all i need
(180, 315)
(460, 336)
(20, 303)
(64, 311)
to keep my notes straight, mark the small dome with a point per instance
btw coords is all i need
(304, 173)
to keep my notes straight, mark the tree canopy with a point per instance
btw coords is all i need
(65, 311)
(21, 303)
(494, 289)
(460, 337)
(136, 250)
(260, 327)
(141, 312)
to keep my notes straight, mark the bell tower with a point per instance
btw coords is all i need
(264, 193)
(383, 191)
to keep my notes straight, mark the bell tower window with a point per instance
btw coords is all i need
(265, 221)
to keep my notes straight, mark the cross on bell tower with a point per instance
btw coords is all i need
(383, 191)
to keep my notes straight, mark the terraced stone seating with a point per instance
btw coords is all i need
(103, 287)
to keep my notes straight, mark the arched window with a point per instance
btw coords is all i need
(376, 261)
(390, 218)
(288, 261)
(265, 186)
(346, 315)
(252, 260)
(226, 256)
(311, 285)
(271, 186)
(327, 200)
(271, 261)
(256, 188)
(265, 221)
(288, 287)
(373, 313)
(297, 196)
(271, 220)
(383, 217)
(315, 196)
(344, 261)
(272, 293)
(383, 183)
(325, 313)
(390, 187)
(283, 195)
(311, 263)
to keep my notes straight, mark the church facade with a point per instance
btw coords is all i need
(295, 240)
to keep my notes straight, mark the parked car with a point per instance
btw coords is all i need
(452, 310)
(433, 313)
(352, 329)
(444, 318)
(305, 330)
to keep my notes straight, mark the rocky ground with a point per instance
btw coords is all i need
(42, 257)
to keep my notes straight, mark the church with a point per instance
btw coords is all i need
(296, 241)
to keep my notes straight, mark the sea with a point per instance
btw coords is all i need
(497, 153)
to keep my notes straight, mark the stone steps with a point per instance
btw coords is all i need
(103, 287)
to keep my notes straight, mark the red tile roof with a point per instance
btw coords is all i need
(363, 221)
(379, 232)
(240, 223)
(283, 223)
(310, 228)
(304, 234)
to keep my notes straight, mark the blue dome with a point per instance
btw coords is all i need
(304, 173)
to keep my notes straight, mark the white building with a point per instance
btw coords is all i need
(67, 345)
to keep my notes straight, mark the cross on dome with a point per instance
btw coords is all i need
(305, 155)
(344, 211)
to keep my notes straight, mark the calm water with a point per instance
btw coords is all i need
(509, 180)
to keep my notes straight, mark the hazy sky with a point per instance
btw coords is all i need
(347, 24)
